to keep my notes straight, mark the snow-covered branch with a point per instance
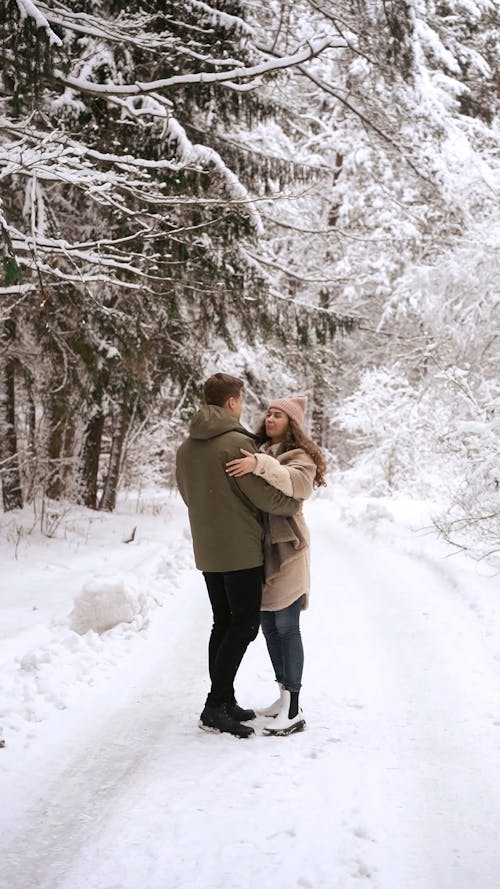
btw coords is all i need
(293, 273)
(126, 31)
(55, 157)
(218, 17)
(16, 290)
(313, 48)
(28, 9)
(130, 30)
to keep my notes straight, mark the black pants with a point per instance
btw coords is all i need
(236, 598)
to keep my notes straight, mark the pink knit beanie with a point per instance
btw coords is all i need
(294, 408)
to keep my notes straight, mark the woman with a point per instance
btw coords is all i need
(291, 462)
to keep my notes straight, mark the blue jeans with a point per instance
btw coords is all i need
(284, 643)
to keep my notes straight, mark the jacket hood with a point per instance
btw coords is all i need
(211, 421)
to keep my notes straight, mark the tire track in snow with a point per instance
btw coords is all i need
(423, 689)
(109, 761)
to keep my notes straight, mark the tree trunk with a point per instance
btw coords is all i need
(60, 438)
(53, 482)
(68, 450)
(120, 426)
(319, 420)
(91, 452)
(12, 495)
(30, 461)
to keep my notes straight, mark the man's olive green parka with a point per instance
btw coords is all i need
(224, 513)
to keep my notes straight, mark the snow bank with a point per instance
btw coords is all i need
(105, 602)
(75, 605)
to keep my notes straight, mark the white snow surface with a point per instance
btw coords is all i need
(107, 781)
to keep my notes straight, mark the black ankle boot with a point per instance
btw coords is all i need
(217, 719)
(239, 713)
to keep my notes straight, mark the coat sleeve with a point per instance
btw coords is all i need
(178, 478)
(265, 497)
(302, 474)
(261, 495)
(271, 470)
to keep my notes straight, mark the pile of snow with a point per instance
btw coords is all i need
(105, 602)
(76, 605)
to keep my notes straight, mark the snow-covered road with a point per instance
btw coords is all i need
(394, 785)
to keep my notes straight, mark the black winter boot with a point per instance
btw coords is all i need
(239, 713)
(217, 719)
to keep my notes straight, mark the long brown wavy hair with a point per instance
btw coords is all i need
(296, 438)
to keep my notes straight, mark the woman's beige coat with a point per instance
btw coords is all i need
(286, 547)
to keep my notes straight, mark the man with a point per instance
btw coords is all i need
(226, 527)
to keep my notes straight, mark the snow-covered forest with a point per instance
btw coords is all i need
(301, 193)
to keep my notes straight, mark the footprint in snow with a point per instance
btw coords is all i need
(362, 834)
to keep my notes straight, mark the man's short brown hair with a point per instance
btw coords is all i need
(218, 388)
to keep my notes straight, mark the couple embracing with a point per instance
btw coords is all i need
(244, 494)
